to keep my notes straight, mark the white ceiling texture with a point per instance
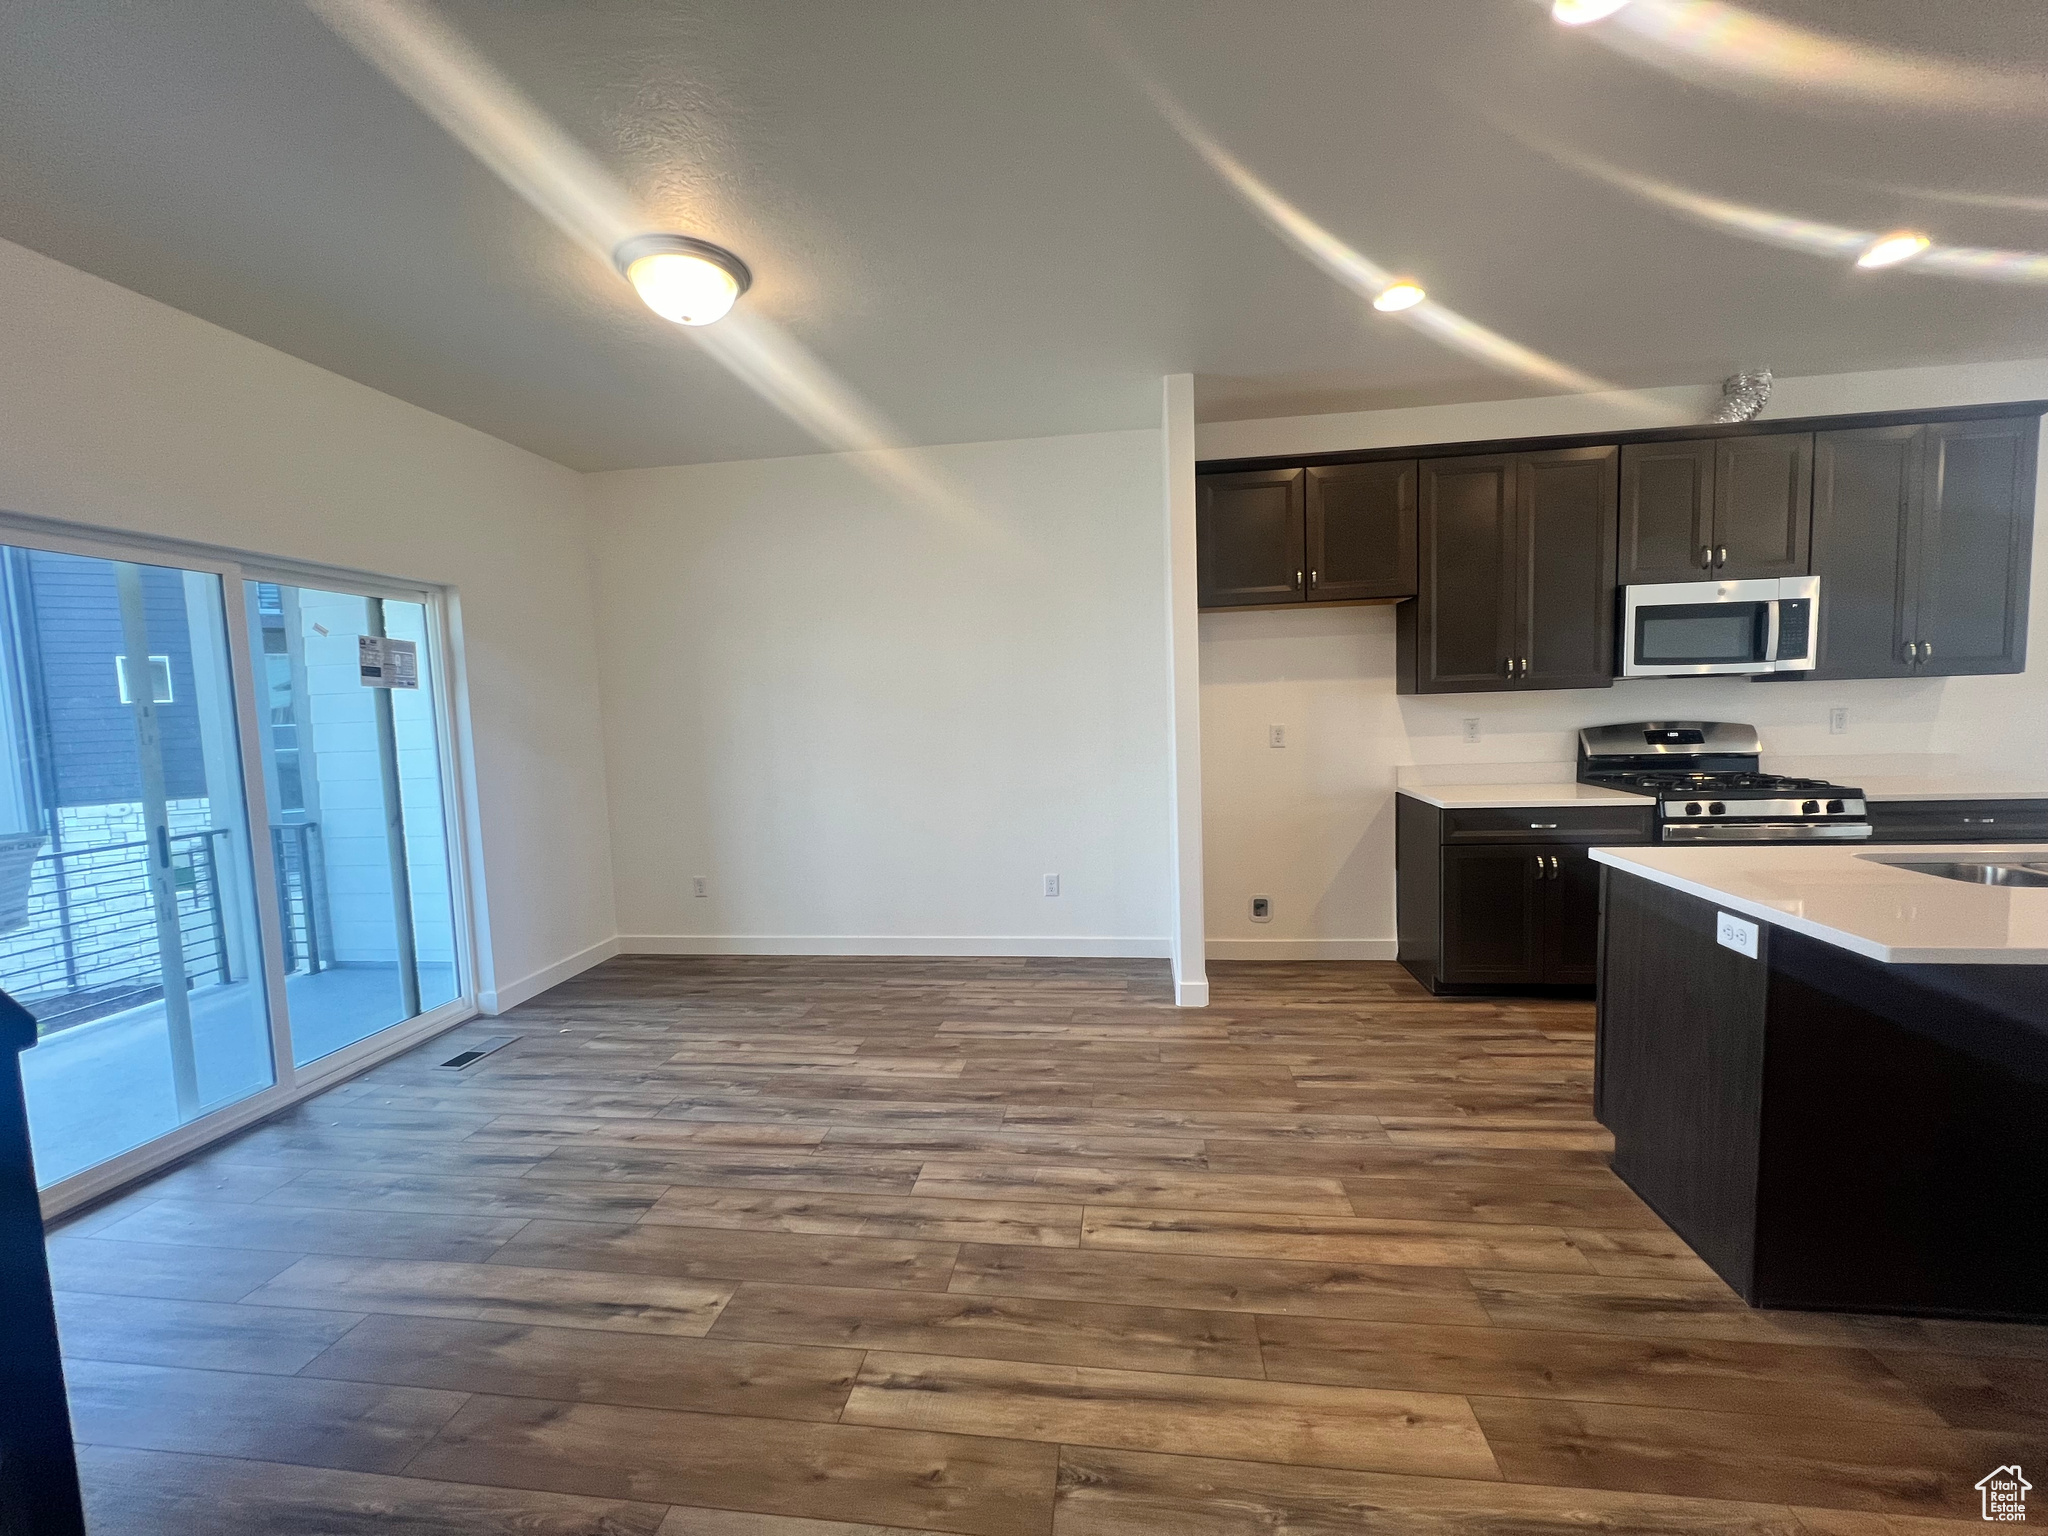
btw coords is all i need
(976, 219)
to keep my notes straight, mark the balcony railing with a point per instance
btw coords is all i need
(89, 947)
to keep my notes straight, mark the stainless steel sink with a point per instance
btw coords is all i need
(1971, 873)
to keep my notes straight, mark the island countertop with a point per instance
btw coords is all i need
(1509, 797)
(1858, 899)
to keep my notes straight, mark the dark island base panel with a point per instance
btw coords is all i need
(1826, 1131)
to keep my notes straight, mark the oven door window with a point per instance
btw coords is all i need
(1702, 634)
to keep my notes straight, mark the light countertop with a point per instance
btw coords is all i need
(1850, 898)
(1899, 786)
(1481, 797)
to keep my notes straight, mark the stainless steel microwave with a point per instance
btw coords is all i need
(1700, 628)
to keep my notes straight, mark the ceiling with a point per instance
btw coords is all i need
(971, 212)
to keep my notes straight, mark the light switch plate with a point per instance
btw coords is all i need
(1736, 933)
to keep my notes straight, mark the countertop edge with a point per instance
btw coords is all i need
(1855, 944)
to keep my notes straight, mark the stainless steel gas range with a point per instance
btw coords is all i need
(1706, 778)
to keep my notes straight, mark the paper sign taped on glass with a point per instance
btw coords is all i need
(388, 663)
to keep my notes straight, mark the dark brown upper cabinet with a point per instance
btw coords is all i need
(1458, 636)
(1922, 540)
(1975, 543)
(1250, 540)
(1516, 574)
(1565, 608)
(1863, 490)
(1733, 507)
(1667, 511)
(1361, 532)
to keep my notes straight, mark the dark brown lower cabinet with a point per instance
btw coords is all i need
(1827, 1131)
(1959, 821)
(1504, 899)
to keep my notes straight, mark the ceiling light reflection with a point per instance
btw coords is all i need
(1890, 250)
(1352, 268)
(1720, 44)
(1790, 231)
(1579, 13)
(1398, 297)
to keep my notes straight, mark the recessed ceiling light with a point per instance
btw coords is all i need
(1890, 250)
(691, 282)
(1397, 297)
(1577, 13)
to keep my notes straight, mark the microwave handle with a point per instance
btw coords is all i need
(1776, 607)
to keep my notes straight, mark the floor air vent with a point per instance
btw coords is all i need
(482, 1049)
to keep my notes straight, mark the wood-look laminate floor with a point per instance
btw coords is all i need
(759, 1247)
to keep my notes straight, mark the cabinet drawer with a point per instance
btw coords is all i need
(1959, 821)
(1550, 824)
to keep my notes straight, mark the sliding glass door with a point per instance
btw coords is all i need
(225, 859)
(128, 918)
(352, 770)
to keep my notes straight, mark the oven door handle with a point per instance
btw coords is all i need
(1775, 607)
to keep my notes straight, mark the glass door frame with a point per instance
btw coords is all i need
(290, 1083)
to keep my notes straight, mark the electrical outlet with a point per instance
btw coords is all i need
(699, 886)
(1838, 720)
(1262, 909)
(1276, 735)
(1472, 728)
(1052, 885)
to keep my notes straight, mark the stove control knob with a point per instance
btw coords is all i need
(1693, 809)
(1812, 808)
(1834, 807)
(1717, 809)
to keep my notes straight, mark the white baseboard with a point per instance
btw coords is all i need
(504, 999)
(1304, 949)
(1004, 945)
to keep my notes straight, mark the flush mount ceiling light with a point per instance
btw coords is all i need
(691, 282)
(1396, 297)
(1577, 13)
(1890, 250)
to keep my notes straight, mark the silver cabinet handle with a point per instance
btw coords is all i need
(1926, 650)
(1311, 578)
(1554, 870)
(1979, 821)
(1525, 666)
(1721, 557)
(1706, 557)
(1507, 667)
(1297, 578)
(1912, 650)
(1542, 826)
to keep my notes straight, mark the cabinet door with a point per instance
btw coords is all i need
(1571, 897)
(1763, 506)
(1465, 602)
(1565, 568)
(1864, 482)
(1249, 538)
(1974, 543)
(1667, 510)
(1361, 532)
(1492, 915)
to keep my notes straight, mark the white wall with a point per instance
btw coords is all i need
(874, 722)
(1312, 824)
(123, 413)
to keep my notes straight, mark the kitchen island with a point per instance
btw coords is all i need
(1828, 1071)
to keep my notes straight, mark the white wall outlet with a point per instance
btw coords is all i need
(1276, 735)
(1736, 933)
(699, 886)
(1262, 909)
(1838, 720)
(1052, 885)
(1472, 728)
